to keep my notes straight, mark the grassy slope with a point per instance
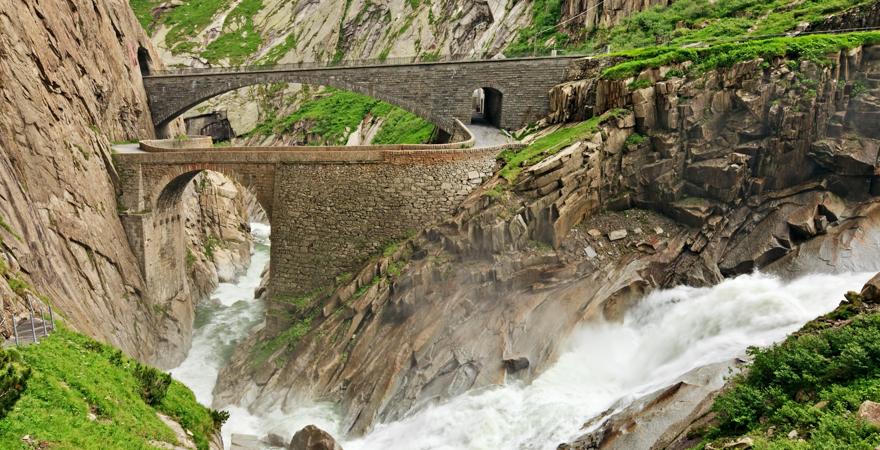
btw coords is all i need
(682, 22)
(338, 113)
(516, 160)
(72, 375)
(812, 383)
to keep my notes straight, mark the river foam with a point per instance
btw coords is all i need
(669, 333)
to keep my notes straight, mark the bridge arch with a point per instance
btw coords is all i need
(439, 92)
(210, 92)
(487, 106)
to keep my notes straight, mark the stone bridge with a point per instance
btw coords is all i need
(330, 208)
(515, 89)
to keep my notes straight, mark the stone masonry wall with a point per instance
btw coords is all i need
(331, 217)
(329, 210)
(439, 92)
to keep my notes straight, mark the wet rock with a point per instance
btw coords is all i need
(871, 292)
(244, 442)
(516, 364)
(313, 438)
(275, 440)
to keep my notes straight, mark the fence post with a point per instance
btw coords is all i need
(33, 326)
(51, 317)
(15, 329)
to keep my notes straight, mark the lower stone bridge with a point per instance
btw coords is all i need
(329, 208)
(515, 90)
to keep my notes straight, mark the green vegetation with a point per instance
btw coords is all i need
(277, 52)
(188, 20)
(335, 114)
(542, 33)
(239, 38)
(635, 139)
(812, 48)
(13, 379)
(516, 160)
(811, 383)
(681, 23)
(211, 244)
(73, 377)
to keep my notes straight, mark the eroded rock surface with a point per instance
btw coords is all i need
(725, 156)
(69, 85)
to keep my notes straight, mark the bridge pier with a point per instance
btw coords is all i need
(330, 210)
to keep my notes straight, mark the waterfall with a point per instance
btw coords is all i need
(669, 333)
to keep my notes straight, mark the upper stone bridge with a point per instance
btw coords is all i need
(330, 208)
(515, 89)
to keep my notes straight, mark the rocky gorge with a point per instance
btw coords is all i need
(656, 186)
(705, 178)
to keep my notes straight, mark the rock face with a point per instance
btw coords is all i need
(594, 14)
(70, 84)
(217, 232)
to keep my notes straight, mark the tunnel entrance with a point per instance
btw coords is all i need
(487, 107)
(143, 61)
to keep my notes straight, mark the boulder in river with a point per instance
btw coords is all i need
(313, 438)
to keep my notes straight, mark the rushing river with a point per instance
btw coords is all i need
(668, 334)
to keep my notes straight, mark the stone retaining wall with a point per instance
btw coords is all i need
(329, 209)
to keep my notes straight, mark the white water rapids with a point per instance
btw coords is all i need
(668, 334)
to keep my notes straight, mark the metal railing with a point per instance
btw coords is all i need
(39, 324)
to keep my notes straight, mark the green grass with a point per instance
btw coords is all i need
(143, 11)
(812, 47)
(534, 37)
(335, 114)
(401, 126)
(188, 20)
(516, 160)
(72, 376)
(239, 38)
(277, 52)
(836, 368)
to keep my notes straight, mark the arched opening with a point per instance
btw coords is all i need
(487, 107)
(292, 113)
(143, 61)
(210, 228)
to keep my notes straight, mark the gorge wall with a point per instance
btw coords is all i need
(59, 110)
(70, 85)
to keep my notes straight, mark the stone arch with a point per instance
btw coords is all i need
(211, 90)
(144, 60)
(168, 189)
(487, 106)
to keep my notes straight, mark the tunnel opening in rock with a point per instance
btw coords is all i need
(487, 107)
(143, 57)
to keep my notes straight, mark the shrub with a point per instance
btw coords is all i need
(13, 379)
(219, 418)
(838, 365)
(153, 383)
